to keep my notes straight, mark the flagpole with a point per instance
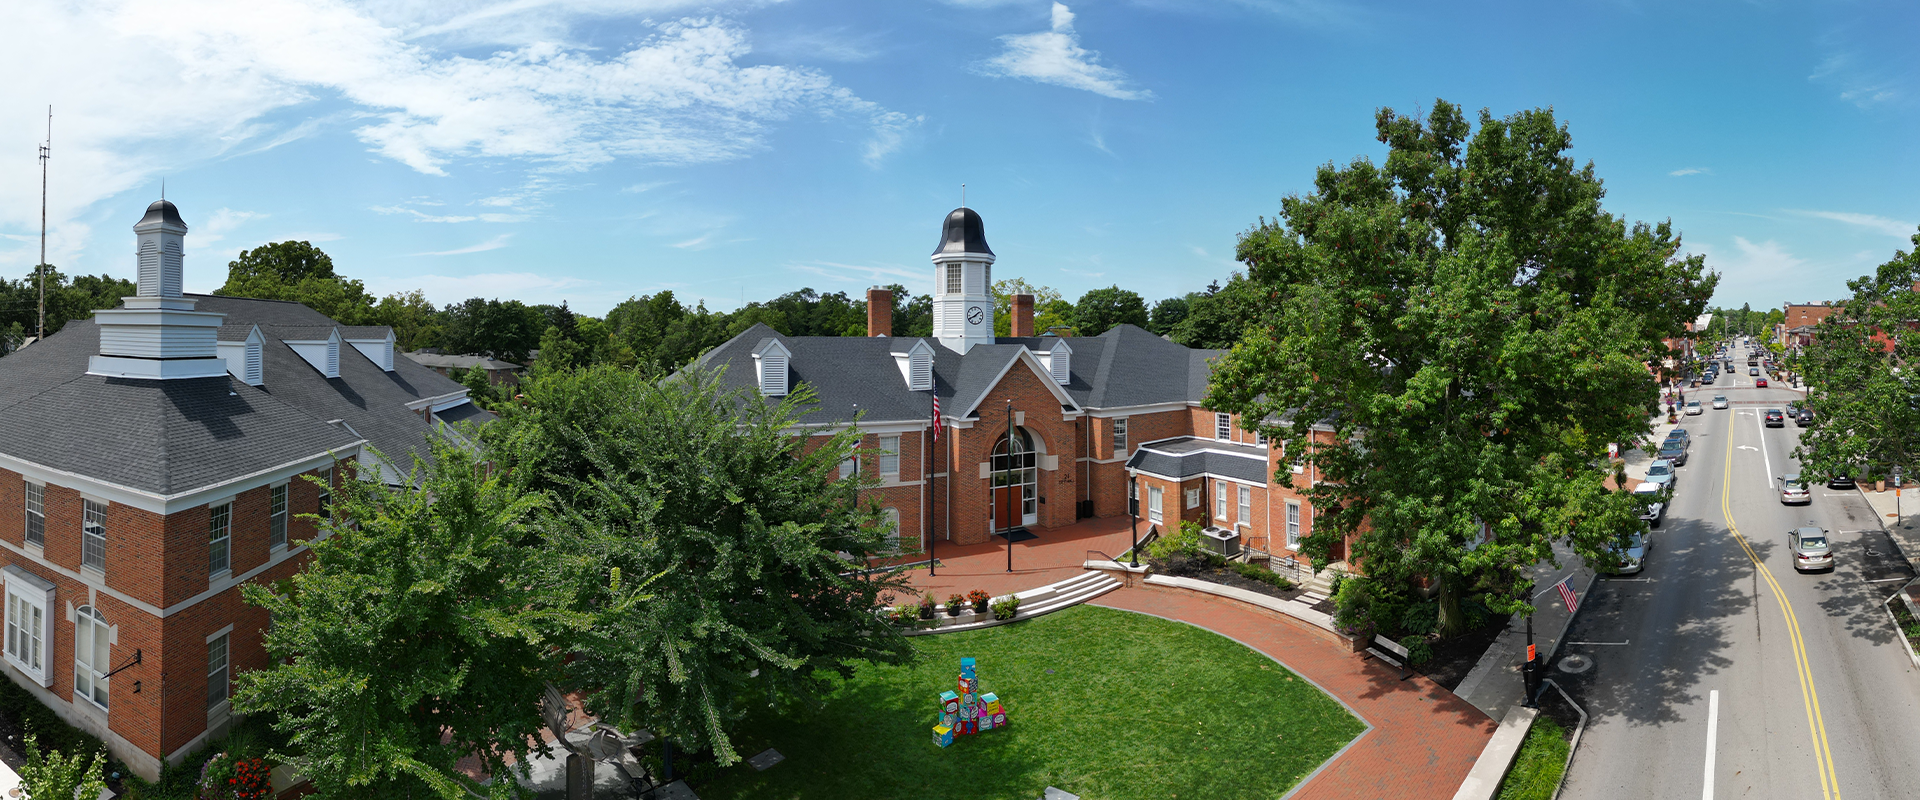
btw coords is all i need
(933, 425)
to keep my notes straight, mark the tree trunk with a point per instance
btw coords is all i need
(1453, 621)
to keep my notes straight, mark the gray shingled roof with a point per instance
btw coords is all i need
(164, 437)
(173, 436)
(1124, 367)
(1190, 456)
(439, 361)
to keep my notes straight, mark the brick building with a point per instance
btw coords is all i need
(1035, 432)
(1797, 330)
(158, 456)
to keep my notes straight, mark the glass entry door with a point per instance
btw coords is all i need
(1015, 480)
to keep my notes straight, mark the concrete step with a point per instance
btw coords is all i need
(1041, 600)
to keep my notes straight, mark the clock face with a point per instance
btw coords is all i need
(975, 315)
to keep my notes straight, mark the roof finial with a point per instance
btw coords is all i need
(963, 195)
(163, 188)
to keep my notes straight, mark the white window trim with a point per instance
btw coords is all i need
(1154, 505)
(283, 518)
(1294, 521)
(226, 667)
(213, 574)
(890, 452)
(27, 513)
(1193, 497)
(1222, 421)
(1220, 499)
(86, 568)
(98, 670)
(847, 466)
(28, 589)
(1120, 445)
(1243, 505)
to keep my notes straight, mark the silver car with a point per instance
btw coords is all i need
(1793, 490)
(1810, 547)
(1693, 408)
(1660, 473)
(1719, 401)
(1631, 550)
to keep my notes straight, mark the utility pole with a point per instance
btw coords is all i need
(46, 152)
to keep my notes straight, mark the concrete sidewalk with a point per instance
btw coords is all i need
(1901, 529)
(1494, 684)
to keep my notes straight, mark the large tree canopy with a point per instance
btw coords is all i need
(1476, 330)
(1860, 377)
(300, 272)
(751, 524)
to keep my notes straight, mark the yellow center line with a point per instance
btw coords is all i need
(1816, 723)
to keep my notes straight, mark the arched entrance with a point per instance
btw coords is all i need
(1015, 479)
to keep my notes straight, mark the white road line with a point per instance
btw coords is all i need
(1713, 732)
(1592, 643)
(1889, 580)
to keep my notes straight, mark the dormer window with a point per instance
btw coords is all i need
(376, 343)
(241, 349)
(916, 366)
(320, 351)
(1059, 363)
(770, 362)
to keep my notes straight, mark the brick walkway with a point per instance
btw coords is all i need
(1055, 555)
(1424, 739)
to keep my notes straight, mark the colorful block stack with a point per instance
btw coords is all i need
(967, 711)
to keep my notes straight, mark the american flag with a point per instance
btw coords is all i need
(936, 416)
(1566, 593)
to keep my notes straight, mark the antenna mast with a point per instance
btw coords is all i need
(46, 152)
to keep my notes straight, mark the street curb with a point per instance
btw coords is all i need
(1895, 622)
(1483, 781)
(1562, 635)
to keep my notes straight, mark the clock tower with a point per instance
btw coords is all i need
(963, 283)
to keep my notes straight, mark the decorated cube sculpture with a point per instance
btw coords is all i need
(942, 735)
(966, 667)
(950, 703)
(986, 722)
(969, 685)
(991, 702)
(965, 710)
(1000, 720)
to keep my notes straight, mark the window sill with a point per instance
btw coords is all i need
(220, 577)
(35, 550)
(36, 677)
(95, 574)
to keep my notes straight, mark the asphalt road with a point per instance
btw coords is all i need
(1712, 677)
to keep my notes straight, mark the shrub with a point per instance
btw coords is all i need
(1536, 769)
(1006, 608)
(1263, 575)
(904, 614)
(53, 775)
(1353, 608)
(978, 596)
(37, 720)
(1419, 650)
(954, 602)
(1420, 619)
(1187, 542)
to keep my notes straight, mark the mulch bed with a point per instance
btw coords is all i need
(1199, 569)
(1454, 658)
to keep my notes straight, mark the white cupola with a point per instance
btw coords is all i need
(156, 334)
(963, 283)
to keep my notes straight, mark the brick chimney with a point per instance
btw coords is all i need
(879, 311)
(1022, 313)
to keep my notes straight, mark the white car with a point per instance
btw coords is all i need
(1656, 510)
(1719, 401)
(1693, 408)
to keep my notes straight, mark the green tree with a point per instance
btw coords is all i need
(753, 521)
(1217, 317)
(52, 775)
(1475, 328)
(558, 352)
(1101, 309)
(1168, 313)
(302, 273)
(67, 299)
(419, 635)
(414, 320)
(912, 314)
(1860, 377)
(507, 330)
(1003, 292)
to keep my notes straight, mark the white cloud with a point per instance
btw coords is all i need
(142, 89)
(1681, 173)
(1750, 262)
(645, 187)
(695, 243)
(420, 216)
(1890, 227)
(494, 243)
(1859, 85)
(1056, 57)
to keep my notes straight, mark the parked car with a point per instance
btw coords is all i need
(1675, 450)
(1776, 418)
(1760, 383)
(1753, 370)
(1694, 409)
(1804, 418)
(1655, 497)
(1794, 491)
(1719, 401)
(1840, 480)
(1631, 552)
(1660, 473)
(1810, 548)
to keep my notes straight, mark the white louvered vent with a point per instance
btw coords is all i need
(171, 267)
(920, 370)
(333, 357)
(773, 375)
(1059, 363)
(254, 371)
(149, 269)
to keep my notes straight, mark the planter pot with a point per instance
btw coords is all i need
(1879, 486)
(926, 612)
(953, 611)
(980, 607)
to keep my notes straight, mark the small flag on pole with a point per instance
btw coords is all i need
(1566, 593)
(936, 417)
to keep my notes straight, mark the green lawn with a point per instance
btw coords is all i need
(1537, 767)
(1107, 704)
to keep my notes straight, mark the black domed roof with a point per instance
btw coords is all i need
(963, 233)
(162, 211)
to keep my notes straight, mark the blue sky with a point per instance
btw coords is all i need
(590, 150)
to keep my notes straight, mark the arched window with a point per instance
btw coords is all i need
(92, 655)
(1015, 469)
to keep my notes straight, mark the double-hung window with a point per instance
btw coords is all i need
(92, 655)
(36, 514)
(277, 516)
(28, 638)
(93, 534)
(846, 468)
(1246, 505)
(325, 504)
(217, 670)
(1153, 504)
(1293, 526)
(953, 278)
(1193, 497)
(1119, 437)
(890, 458)
(219, 539)
(1220, 500)
(1223, 426)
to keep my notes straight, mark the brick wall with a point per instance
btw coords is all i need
(1054, 434)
